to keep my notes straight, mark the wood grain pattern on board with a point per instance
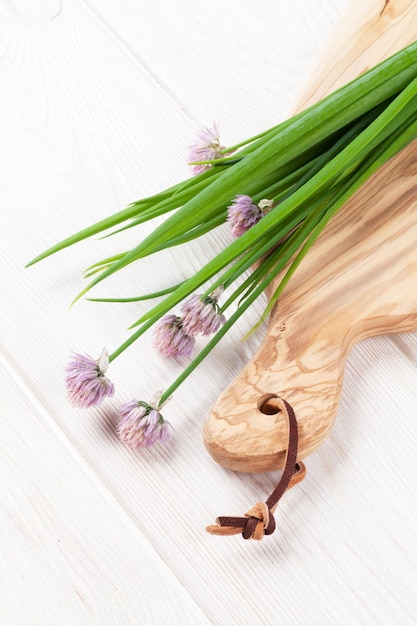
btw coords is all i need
(357, 281)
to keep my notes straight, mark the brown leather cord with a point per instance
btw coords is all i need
(259, 520)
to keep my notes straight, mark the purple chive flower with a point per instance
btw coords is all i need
(243, 214)
(205, 148)
(202, 315)
(171, 339)
(141, 425)
(85, 380)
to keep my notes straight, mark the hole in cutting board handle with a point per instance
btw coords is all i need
(268, 404)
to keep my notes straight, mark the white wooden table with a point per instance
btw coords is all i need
(99, 100)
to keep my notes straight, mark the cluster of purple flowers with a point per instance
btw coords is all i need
(175, 336)
(141, 424)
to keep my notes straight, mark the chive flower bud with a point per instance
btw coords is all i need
(205, 148)
(86, 382)
(243, 213)
(142, 425)
(170, 338)
(202, 315)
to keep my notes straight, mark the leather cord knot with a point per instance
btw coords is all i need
(259, 520)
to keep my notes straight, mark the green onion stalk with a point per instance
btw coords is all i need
(277, 191)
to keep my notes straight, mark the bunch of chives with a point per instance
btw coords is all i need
(278, 190)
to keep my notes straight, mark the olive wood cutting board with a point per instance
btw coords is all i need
(358, 280)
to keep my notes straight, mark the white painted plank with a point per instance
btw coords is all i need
(233, 61)
(69, 555)
(97, 106)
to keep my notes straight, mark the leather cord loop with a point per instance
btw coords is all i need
(259, 520)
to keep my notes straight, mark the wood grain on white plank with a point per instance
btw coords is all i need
(26, 13)
(97, 107)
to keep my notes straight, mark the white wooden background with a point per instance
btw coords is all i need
(98, 102)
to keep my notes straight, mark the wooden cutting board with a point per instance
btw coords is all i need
(358, 280)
